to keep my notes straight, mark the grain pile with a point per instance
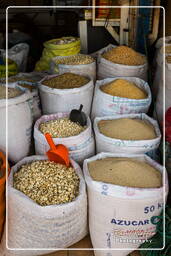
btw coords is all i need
(47, 183)
(124, 55)
(127, 129)
(61, 128)
(64, 40)
(124, 89)
(12, 92)
(125, 172)
(75, 60)
(66, 81)
(27, 86)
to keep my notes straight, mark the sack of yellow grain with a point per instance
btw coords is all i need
(118, 60)
(80, 64)
(124, 192)
(121, 95)
(133, 133)
(63, 46)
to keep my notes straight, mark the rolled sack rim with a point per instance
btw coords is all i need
(117, 190)
(141, 116)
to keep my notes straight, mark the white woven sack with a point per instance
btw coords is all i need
(120, 217)
(159, 52)
(36, 109)
(80, 146)
(107, 144)
(160, 108)
(81, 69)
(64, 100)
(106, 105)
(55, 226)
(19, 127)
(106, 68)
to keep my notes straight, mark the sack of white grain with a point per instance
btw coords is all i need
(80, 64)
(124, 61)
(159, 44)
(65, 92)
(134, 134)
(51, 222)
(106, 104)
(160, 108)
(19, 122)
(120, 215)
(81, 145)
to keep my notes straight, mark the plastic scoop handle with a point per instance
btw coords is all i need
(50, 141)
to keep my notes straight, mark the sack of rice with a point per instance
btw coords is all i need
(118, 60)
(52, 215)
(80, 64)
(19, 122)
(124, 192)
(120, 95)
(64, 92)
(78, 139)
(134, 133)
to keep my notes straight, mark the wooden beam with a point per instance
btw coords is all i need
(113, 32)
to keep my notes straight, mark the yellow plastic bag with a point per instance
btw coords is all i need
(52, 50)
(12, 69)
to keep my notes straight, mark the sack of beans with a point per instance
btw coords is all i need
(52, 215)
(120, 95)
(125, 192)
(80, 64)
(133, 133)
(19, 122)
(118, 60)
(78, 139)
(61, 93)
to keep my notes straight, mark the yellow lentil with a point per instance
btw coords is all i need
(124, 55)
(124, 89)
(75, 60)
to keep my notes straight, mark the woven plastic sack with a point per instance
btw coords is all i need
(160, 108)
(81, 69)
(64, 100)
(106, 105)
(107, 68)
(80, 146)
(52, 50)
(19, 128)
(55, 226)
(120, 217)
(107, 144)
(19, 54)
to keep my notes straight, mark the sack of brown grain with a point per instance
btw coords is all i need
(125, 61)
(105, 104)
(80, 64)
(81, 145)
(134, 134)
(120, 216)
(61, 93)
(20, 120)
(31, 226)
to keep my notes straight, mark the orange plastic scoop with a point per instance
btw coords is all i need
(59, 153)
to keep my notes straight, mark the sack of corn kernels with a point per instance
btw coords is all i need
(130, 95)
(120, 216)
(125, 61)
(133, 133)
(80, 64)
(79, 140)
(36, 221)
(159, 106)
(19, 122)
(61, 93)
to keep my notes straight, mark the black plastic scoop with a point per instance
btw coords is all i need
(78, 116)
